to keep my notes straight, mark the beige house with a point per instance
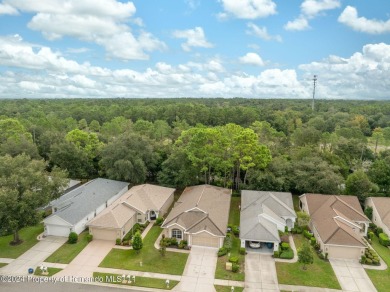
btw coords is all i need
(338, 224)
(380, 212)
(139, 204)
(200, 216)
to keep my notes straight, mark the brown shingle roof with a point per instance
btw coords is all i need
(382, 205)
(203, 207)
(330, 214)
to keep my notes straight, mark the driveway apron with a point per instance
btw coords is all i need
(87, 260)
(352, 276)
(260, 273)
(199, 270)
(35, 256)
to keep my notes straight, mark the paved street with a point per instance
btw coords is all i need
(351, 275)
(260, 273)
(199, 271)
(34, 256)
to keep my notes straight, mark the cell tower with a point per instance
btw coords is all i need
(314, 91)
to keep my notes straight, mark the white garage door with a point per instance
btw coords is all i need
(104, 234)
(57, 230)
(205, 240)
(337, 252)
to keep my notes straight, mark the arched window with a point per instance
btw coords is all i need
(177, 233)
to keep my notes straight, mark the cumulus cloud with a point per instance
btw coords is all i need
(8, 9)
(102, 22)
(350, 18)
(247, 9)
(261, 32)
(194, 38)
(310, 9)
(252, 59)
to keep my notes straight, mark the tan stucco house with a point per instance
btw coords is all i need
(380, 212)
(139, 204)
(200, 216)
(338, 223)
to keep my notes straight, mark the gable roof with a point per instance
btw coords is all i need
(202, 207)
(78, 203)
(139, 198)
(382, 206)
(260, 213)
(334, 217)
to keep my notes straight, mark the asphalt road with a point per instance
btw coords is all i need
(57, 287)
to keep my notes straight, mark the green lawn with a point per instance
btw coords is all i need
(221, 272)
(2, 265)
(318, 274)
(67, 252)
(172, 263)
(139, 281)
(381, 279)
(227, 288)
(296, 202)
(29, 237)
(51, 271)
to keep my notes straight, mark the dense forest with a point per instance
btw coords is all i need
(279, 145)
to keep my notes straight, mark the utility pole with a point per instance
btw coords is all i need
(314, 91)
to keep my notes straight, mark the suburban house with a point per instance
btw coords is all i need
(200, 216)
(380, 212)
(262, 215)
(139, 204)
(338, 223)
(72, 211)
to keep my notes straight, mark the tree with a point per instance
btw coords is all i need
(305, 255)
(137, 242)
(368, 212)
(163, 245)
(24, 187)
(379, 174)
(358, 184)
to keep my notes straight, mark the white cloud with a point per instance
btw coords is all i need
(252, 59)
(262, 33)
(350, 18)
(195, 38)
(77, 50)
(103, 22)
(247, 9)
(312, 8)
(8, 9)
(297, 24)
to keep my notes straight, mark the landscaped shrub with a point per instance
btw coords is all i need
(375, 262)
(317, 246)
(89, 237)
(293, 230)
(378, 231)
(235, 268)
(233, 259)
(363, 259)
(313, 241)
(321, 256)
(159, 221)
(384, 239)
(369, 261)
(307, 234)
(370, 235)
(73, 237)
(242, 250)
(126, 242)
(285, 229)
(285, 246)
(326, 256)
(182, 244)
(222, 251)
(287, 254)
(299, 230)
(276, 254)
(172, 241)
(236, 230)
(118, 241)
(227, 243)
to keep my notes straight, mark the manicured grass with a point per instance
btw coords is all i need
(172, 263)
(139, 281)
(2, 265)
(234, 214)
(227, 288)
(318, 274)
(51, 271)
(29, 237)
(67, 252)
(380, 279)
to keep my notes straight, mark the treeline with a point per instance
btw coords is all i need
(279, 145)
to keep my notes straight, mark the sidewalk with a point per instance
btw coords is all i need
(6, 260)
(305, 289)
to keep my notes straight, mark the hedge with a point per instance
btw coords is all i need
(384, 239)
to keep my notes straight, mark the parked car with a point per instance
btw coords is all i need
(254, 244)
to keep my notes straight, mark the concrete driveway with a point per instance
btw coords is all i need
(352, 276)
(88, 259)
(34, 256)
(199, 270)
(260, 273)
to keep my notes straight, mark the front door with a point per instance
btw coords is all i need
(152, 215)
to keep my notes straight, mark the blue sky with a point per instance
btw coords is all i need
(194, 48)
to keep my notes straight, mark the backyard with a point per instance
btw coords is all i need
(148, 259)
(318, 274)
(380, 279)
(28, 235)
(67, 252)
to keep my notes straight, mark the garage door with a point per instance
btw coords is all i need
(337, 252)
(205, 240)
(57, 230)
(104, 234)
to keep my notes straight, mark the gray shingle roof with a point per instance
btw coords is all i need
(256, 207)
(78, 203)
